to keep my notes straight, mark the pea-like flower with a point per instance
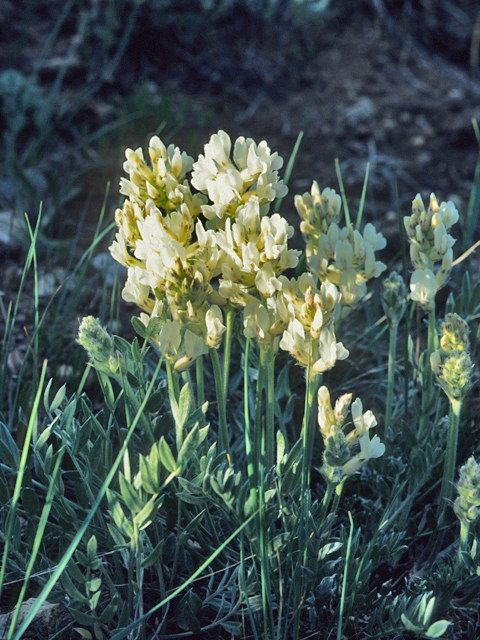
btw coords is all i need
(251, 175)
(423, 287)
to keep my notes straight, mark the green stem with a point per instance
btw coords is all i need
(257, 429)
(229, 321)
(200, 384)
(391, 375)
(172, 377)
(308, 428)
(270, 407)
(338, 496)
(450, 458)
(222, 409)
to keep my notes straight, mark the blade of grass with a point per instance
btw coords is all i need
(21, 472)
(342, 193)
(288, 170)
(344, 584)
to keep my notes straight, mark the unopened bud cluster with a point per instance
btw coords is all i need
(452, 364)
(100, 346)
(394, 298)
(467, 505)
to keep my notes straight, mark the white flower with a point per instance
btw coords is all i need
(368, 449)
(136, 291)
(363, 422)
(423, 287)
(256, 322)
(169, 339)
(214, 325)
(329, 350)
(295, 342)
(193, 347)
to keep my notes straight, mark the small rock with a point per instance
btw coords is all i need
(362, 110)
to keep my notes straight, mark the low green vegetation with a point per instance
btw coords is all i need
(286, 449)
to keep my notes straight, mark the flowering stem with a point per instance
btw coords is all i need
(464, 528)
(450, 458)
(391, 374)
(172, 378)
(270, 407)
(432, 334)
(258, 412)
(222, 409)
(200, 385)
(308, 428)
(229, 319)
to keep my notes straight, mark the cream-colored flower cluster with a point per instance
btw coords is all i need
(339, 458)
(190, 254)
(430, 242)
(342, 256)
(251, 175)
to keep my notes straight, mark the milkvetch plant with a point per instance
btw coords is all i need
(248, 493)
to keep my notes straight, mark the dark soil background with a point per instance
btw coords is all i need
(392, 84)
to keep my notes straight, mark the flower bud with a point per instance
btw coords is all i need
(467, 505)
(394, 298)
(454, 334)
(99, 345)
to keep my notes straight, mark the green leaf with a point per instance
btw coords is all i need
(72, 591)
(139, 327)
(95, 584)
(94, 600)
(152, 557)
(8, 449)
(437, 629)
(83, 632)
(45, 434)
(30, 501)
(183, 409)
(92, 549)
(329, 548)
(130, 496)
(58, 399)
(82, 618)
(149, 511)
(187, 611)
(193, 525)
(156, 401)
(166, 456)
(188, 447)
